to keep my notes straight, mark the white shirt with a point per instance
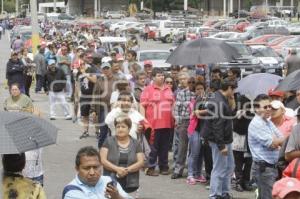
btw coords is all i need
(134, 115)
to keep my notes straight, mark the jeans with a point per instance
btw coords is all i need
(182, 147)
(104, 130)
(223, 167)
(195, 158)
(58, 98)
(39, 179)
(40, 83)
(160, 149)
(242, 167)
(264, 180)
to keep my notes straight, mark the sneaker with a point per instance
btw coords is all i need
(201, 179)
(227, 196)
(191, 180)
(68, 117)
(151, 172)
(84, 135)
(164, 172)
(176, 176)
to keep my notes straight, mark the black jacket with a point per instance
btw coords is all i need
(15, 72)
(58, 76)
(218, 126)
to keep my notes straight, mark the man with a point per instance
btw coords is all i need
(87, 78)
(64, 63)
(264, 141)
(216, 74)
(283, 122)
(182, 118)
(1, 31)
(292, 62)
(88, 182)
(233, 74)
(219, 133)
(100, 106)
(56, 83)
(148, 67)
(116, 70)
(18, 44)
(292, 150)
(41, 69)
(157, 100)
(15, 71)
(175, 69)
(139, 85)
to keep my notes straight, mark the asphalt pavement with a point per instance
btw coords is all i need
(59, 159)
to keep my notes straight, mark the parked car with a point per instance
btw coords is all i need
(158, 58)
(263, 39)
(294, 28)
(226, 35)
(144, 15)
(278, 44)
(64, 16)
(119, 25)
(271, 61)
(114, 15)
(229, 26)
(168, 28)
(240, 14)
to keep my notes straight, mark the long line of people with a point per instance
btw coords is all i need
(194, 113)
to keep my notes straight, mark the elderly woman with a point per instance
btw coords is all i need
(17, 101)
(122, 155)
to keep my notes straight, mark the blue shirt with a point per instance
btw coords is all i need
(96, 192)
(260, 137)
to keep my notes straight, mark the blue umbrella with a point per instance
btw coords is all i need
(258, 83)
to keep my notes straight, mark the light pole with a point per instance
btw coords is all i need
(54, 6)
(224, 8)
(35, 26)
(17, 7)
(2, 7)
(185, 6)
(239, 8)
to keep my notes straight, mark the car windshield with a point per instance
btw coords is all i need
(241, 48)
(264, 52)
(154, 56)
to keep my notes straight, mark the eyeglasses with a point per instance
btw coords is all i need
(169, 82)
(267, 107)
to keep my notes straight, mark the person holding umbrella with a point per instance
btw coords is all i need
(14, 184)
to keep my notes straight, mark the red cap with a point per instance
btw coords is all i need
(147, 62)
(272, 92)
(285, 186)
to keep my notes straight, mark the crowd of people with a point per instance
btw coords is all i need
(141, 113)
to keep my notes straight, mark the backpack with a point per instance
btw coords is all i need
(70, 188)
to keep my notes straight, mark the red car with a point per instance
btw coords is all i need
(263, 39)
(240, 27)
(277, 44)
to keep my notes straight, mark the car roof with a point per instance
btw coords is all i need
(113, 39)
(145, 51)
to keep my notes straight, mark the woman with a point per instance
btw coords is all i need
(14, 185)
(123, 156)
(17, 101)
(29, 68)
(21, 103)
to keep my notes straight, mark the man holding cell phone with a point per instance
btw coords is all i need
(89, 183)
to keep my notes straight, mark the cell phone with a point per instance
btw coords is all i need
(113, 182)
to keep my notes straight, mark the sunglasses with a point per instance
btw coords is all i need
(267, 107)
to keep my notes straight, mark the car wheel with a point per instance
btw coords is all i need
(168, 39)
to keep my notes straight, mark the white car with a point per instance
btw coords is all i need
(227, 35)
(114, 15)
(119, 25)
(157, 57)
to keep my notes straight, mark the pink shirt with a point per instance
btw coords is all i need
(286, 127)
(158, 103)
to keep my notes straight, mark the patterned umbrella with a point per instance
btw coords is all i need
(21, 132)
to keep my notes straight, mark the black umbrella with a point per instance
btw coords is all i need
(21, 132)
(290, 82)
(203, 51)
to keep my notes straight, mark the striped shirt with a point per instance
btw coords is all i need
(260, 137)
(181, 110)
